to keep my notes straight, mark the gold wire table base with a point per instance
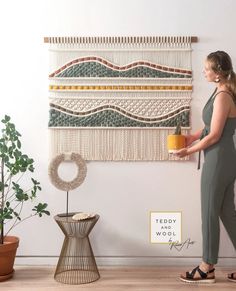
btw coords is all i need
(76, 264)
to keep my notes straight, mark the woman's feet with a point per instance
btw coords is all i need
(232, 277)
(204, 274)
(201, 274)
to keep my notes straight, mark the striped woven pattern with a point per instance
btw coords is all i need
(105, 95)
(114, 118)
(144, 108)
(101, 68)
(121, 88)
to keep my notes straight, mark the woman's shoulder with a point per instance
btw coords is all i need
(223, 101)
(223, 92)
(224, 96)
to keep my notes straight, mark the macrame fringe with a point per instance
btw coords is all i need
(113, 144)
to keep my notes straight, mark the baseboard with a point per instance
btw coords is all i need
(125, 261)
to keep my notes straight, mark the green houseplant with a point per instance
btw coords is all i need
(14, 165)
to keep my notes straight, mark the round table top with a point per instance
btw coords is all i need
(68, 219)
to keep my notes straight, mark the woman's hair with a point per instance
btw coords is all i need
(221, 64)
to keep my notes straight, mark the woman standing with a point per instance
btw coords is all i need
(219, 168)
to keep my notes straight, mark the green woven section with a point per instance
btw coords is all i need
(94, 69)
(109, 118)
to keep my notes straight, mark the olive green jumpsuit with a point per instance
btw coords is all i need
(217, 186)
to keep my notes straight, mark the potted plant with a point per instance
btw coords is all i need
(13, 165)
(175, 141)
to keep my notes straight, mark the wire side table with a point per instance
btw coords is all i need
(76, 264)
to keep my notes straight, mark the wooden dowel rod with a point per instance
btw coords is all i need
(194, 39)
(73, 39)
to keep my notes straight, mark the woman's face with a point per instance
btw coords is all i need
(209, 74)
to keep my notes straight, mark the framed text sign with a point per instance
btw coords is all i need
(165, 227)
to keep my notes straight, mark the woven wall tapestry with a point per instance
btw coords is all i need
(117, 98)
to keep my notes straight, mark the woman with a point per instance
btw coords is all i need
(219, 168)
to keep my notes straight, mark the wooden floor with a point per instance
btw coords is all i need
(34, 278)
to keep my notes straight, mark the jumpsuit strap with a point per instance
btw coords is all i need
(199, 160)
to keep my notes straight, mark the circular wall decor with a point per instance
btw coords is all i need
(67, 185)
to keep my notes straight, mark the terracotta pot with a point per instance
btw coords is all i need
(175, 142)
(7, 256)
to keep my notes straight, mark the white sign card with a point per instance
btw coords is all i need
(165, 227)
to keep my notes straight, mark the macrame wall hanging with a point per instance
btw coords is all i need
(117, 98)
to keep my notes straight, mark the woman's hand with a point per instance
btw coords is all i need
(189, 139)
(182, 153)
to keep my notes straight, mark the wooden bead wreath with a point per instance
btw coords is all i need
(67, 185)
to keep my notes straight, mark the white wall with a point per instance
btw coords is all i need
(122, 193)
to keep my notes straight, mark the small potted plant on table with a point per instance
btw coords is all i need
(13, 165)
